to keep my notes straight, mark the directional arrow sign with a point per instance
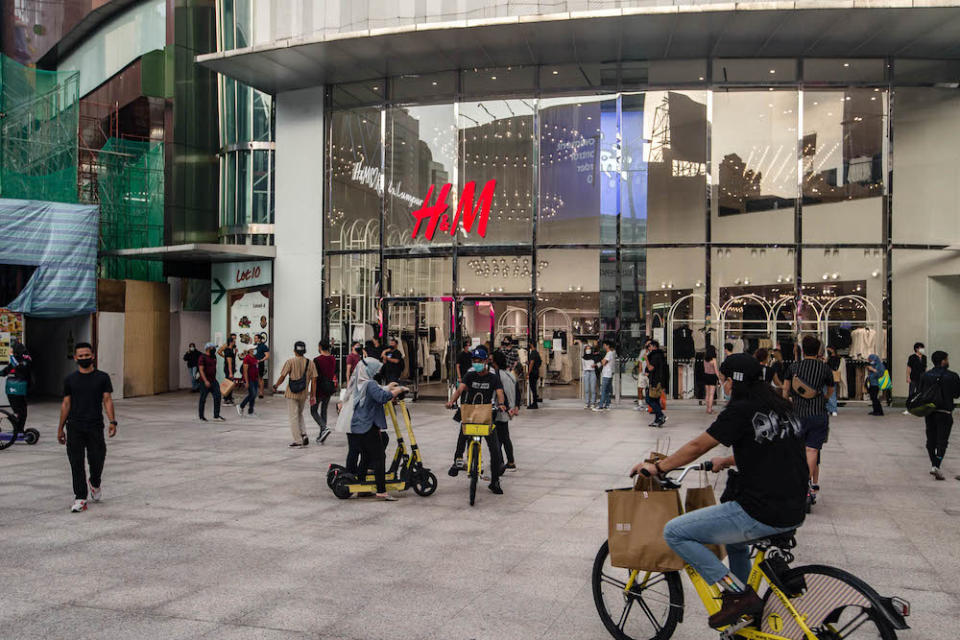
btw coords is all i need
(219, 290)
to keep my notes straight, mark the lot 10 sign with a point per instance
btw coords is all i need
(466, 215)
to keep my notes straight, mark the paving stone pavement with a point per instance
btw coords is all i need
(222, 531)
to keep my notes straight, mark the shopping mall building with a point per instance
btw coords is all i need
(562, 172)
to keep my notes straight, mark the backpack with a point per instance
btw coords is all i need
(923, 403)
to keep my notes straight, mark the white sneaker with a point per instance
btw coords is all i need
(639, 408)
(586, 406)
(597, 409)
(78, 506)
(933, 471)
(253, 415)
(906, 413)
(835, 414)
(239, 410)
(96, 493)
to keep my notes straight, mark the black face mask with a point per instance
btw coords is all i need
(84, 363)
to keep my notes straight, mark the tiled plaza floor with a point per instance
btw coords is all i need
(222, 531)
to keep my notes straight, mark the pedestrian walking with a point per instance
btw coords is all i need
(464, 360)
(804, 383)
(710, 379)
(643, 381)
(833, 361)
(250, 371)
(510, 352)
(534, 362)
(940, 422)
(207, 366)
(303, 377)
(502, 418)
(262, 351)
(326, 367)
(875, 371)
(18, 372)
(86, 394)
(916, 367)
(588, 377)
(659, 383)
(191, 357)
(228, 352)
(355, 355)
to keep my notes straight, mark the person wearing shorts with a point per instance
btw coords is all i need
(815, 375)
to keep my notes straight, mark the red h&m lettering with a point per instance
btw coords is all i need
(467, 214)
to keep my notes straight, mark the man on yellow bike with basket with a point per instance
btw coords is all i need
(766, 497)
(480, 386)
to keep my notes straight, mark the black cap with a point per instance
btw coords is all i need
(741, 367)
(299, 347)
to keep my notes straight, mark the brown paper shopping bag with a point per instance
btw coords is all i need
(476, 413)
(698, 498)
(635, 520)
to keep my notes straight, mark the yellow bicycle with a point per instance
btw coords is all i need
(813, 602)
(476, 433)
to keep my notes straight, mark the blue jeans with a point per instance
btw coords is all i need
(654, 403)
(589, 381)
(726, 524)
(606, 390)
(253, 388)
(194, 381)
(214, 391)
(831, 400)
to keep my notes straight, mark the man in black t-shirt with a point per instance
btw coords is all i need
(533, 368)
(768, 498)
(480, 386)
(86, 393)
(392, 360)
(463, 360)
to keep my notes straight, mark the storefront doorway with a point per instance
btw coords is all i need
(424, 329)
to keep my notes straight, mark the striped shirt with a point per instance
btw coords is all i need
(815, 374)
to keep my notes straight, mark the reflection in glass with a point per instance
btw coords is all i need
(421, 153)
(842, 145)
(420, 277)
(498, 144)
(353, 213)
(755, 150)
(495, 275)
(663, 167)
(578, 171)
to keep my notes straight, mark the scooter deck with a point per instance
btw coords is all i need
(370, 488)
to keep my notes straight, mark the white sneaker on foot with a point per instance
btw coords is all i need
(239, 410)
(937, 474)
(78, 506)
(906, 413)
(96, 493)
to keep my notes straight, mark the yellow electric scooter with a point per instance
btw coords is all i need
(406, 470)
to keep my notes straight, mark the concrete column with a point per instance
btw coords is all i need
(298, 268)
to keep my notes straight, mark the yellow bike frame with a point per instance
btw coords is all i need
(475, 432)
(710, 596)
(393, 482)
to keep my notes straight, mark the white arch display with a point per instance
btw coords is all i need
(725, 307)
(672, 319)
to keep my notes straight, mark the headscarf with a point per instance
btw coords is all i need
(876, 363)
(364, 376)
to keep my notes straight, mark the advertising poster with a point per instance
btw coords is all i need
(249, 315)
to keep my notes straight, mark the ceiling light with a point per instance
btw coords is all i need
(555, 72)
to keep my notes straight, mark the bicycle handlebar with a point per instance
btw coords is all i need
(665, 480)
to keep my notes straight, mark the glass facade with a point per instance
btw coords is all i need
(247, 148)
(699, 215)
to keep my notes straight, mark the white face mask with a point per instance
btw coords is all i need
(921, 351)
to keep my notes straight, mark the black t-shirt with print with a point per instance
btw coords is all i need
(771, 459)
(86, 398)
(481, 387)
(918, 366)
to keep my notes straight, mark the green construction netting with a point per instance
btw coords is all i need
(38, 133)
(130, 187)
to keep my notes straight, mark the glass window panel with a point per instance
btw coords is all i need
(229, 24)
(494, 275)
(243, 187)
(498, 144)
(262, 175)
(578, 76)
(352, 289)
(421, 153)
(907, 71)
(499, 81)
(755, 70)
(754, 164)
(665, 72)
(843, 152)
(262, 116)
(926, 158)
(851, 70)
(243, 16)
(423, 87)
(347, 96)
(578, 171)
(663, 186)
(418, 277)
(230, 193)
(354, 210)
(747, 284)
(229, 121)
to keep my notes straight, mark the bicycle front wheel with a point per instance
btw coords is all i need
(833, 603)
(474, 470)
(650, 610)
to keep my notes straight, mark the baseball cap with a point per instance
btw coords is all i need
(741, 367)
(479, 353)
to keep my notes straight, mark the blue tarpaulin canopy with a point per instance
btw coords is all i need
(60, 240)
